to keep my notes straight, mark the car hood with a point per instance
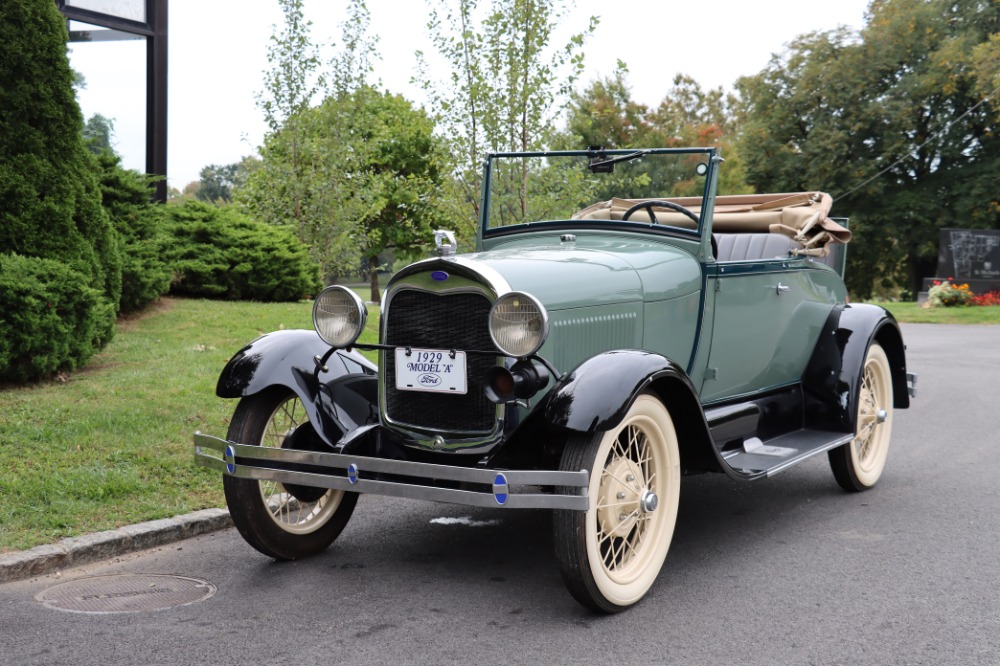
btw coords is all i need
(571, 277)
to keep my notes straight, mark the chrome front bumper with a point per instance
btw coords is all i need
(509, 489)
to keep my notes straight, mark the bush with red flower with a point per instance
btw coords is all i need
(948, 294)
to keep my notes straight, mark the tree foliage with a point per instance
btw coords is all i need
(899, 122)
(508, 83)
(217, 182)
(358, 174)
(98, 134)
(374, 170)
(604, 114)
(50, 203)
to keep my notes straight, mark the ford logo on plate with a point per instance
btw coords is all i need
(429, 380)
(440, 276)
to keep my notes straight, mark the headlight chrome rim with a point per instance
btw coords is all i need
(502, 338)
(342, 328)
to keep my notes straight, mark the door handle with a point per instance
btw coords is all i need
(782, 288)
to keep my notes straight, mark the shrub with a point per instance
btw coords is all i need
(50, 203)
(125, 195)
(50, 319)
(947, 294)
(218, 252)
(989, 298)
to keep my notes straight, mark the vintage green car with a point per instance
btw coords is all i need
(618, 326)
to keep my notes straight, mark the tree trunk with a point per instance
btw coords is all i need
(373, 279)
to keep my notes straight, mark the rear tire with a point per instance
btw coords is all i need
(858, 465)
(283, 523)
(611, 554)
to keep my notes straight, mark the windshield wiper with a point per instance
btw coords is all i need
(607, 165)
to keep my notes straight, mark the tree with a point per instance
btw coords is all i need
(357, 175)
(217, 183)
(507, 87)
(894, 122)
(604, 114)
(374, 178)
(400, 165)
(98, 133)
(50, 203)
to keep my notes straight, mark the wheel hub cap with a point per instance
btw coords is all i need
(622, 497)
(649, 501)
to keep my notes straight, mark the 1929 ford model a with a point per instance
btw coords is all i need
(582, 359)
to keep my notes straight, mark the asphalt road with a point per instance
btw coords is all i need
(786, 571)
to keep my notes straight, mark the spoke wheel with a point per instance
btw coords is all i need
(858, 464)
(611, 554)
(285, 523)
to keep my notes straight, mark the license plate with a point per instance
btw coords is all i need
(431, 370)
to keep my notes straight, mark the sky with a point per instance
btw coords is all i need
(218, 53)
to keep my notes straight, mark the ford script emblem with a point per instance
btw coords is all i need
(428, 379)
(440, 276)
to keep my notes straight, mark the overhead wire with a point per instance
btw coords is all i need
(914, 150)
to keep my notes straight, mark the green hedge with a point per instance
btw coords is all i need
(50, 202)
(218, 252)
(60, 274)
(50, 320)
(125, 195)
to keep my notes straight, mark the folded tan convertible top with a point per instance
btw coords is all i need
(801, 216)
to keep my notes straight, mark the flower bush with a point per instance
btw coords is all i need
(989, 298)
(948, 294)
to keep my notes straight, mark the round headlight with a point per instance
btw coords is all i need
(518, 324)
(339, 316)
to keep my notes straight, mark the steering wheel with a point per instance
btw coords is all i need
(661, 204)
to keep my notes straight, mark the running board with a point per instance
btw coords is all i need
(758, 459)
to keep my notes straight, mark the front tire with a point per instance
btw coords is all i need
(286, 523)
(858, 464)
(611, 554)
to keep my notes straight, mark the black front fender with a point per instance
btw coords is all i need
(340, 397)
(832, 378)
(598, 393)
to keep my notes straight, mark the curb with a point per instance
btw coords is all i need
(75, 551)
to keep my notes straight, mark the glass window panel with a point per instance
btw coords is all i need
(114, 73)
(132, 10)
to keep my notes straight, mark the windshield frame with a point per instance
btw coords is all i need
(610, 154)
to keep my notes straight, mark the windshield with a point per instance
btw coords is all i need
(657, 186)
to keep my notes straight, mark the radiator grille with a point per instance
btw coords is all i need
(448, 321)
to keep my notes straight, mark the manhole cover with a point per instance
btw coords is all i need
(125, 593)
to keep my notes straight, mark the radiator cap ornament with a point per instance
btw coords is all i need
(444, 240)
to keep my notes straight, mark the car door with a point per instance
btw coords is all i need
(768, 314)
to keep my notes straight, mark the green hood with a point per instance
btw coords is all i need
(601, 273)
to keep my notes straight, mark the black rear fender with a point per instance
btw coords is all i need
(831, 381)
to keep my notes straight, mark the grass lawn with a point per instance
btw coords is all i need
(912, 313)
(110, 445)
